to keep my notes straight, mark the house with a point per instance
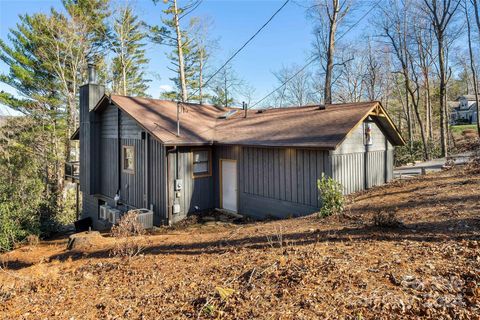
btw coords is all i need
(177, 159)
(466, 110)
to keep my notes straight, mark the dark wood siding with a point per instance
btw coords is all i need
(196, 192)
(273, 181)
(132, 184)
(105, 151)
(108, 167)
(157, 181)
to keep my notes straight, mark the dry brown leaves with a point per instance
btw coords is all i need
(294, 269)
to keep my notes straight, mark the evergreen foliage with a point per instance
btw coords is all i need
(128, 63)
(331, 195)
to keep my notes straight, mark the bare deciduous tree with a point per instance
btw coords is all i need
(440, 14)
(298, 91)
(328, 14)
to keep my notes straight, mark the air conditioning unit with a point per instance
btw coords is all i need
(145, 218)
(113, 215)
(104, 212)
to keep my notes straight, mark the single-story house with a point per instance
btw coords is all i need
(465, 112)
(180, 158)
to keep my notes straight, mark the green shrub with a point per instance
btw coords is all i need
(331, 196)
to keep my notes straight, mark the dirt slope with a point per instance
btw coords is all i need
(336, 268)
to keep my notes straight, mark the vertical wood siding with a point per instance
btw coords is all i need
(157, 181)
(288, 174)
(349, 170)
(389, 165)
(375, 168)
(132, 184)
(277, 182)
(196, 192)
(108, 167)
(104, 148)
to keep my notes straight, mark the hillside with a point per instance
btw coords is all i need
(427, 266)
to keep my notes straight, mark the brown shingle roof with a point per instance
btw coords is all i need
(306, 126)
(159, 117)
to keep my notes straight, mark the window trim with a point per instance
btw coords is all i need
(206, 174)
(124, 148)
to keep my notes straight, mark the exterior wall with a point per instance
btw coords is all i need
(144, 188)
(157, 181)
(274, 182)
(196, 192)
(358, 167)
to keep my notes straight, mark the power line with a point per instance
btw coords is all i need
(241, 48)
(313, 58)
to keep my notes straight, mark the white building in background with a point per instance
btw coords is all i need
(466, 110)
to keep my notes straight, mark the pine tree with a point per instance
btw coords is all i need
(127, 43)
(171, 34)
(46, 59)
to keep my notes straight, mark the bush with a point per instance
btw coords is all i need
(386, 219)
(128, 233)
(331, 196)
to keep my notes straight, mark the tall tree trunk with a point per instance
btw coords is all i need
(181, 63)
(330, 53)
(415, 95)
(477, 19)
(409, 118)
(226, 90)
(200, 78)
(472, 64)
(124, 76)
(443, 85)
(428, 107)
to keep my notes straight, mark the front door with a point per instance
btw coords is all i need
(229, 184)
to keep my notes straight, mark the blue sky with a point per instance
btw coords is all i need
(285, 41)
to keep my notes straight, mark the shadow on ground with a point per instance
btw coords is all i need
(453, 229)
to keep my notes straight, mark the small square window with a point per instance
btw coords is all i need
(129, 159)
(201, 163)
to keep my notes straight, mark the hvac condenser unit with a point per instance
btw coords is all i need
(145, 218)
(104, 212)
(113, 215)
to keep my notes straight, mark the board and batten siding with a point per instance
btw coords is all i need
(274, 182)
(357, 166)
(157, 181)
(196, 192)
(133, 188)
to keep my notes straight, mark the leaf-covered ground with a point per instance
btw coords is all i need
(428, 266)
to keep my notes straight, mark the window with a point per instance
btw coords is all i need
(129, 159)
(201, 163)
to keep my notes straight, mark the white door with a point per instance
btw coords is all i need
(229, 185)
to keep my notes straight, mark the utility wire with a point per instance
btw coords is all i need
(313, 58)
(240, 49)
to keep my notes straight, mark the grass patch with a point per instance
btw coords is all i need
(458, 129)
